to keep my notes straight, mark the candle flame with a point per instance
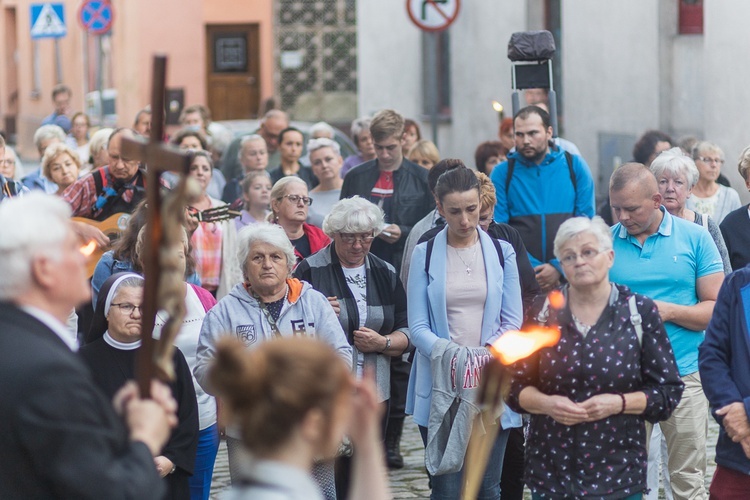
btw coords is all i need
(497, 106)
(516, 345)
(89, 248)
(556, 299)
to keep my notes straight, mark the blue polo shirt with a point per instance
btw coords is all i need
(666, 267)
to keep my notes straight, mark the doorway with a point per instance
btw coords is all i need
(233, 71)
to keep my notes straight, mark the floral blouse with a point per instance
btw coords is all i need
(604, 459)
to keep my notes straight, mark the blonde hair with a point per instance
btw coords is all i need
(53, 151)
(487, 196)
(385, 124)
(425, 149)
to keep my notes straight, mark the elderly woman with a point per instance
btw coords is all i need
(367, 292)
(98, 154)
(461, 299)
(362, 138)
(289, 209)
(736, 226)
(110, 355)
(268, 304)
(253, 157)
(61, 165)
(677, 175)
(710, 197)
(590, 396)
(326, 161)
(214, 243)
(302, 403)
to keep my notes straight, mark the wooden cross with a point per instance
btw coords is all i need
(158, 158)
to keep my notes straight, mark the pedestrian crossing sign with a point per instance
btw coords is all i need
(48, 20)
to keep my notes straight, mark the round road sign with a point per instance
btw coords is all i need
(433, 15)
(96, 16)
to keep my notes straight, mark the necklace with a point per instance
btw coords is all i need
(471, 261)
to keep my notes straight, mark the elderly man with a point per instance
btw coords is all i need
(676, 263)
(273, 122)
(108, 190)
(59, 436)
(45, 136)
(142, 123)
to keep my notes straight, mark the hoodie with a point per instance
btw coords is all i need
(305, 312)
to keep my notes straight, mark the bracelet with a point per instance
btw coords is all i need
(387, 344)
(622, 396)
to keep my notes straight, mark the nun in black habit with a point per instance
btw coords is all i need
(110, 352)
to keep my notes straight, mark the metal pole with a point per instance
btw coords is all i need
(86, 65)
(58, 62)
(99, 77)
(36, 91)
(432, 84)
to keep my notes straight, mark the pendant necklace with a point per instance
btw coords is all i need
(471, 261)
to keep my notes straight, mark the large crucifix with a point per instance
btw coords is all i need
(163, 239)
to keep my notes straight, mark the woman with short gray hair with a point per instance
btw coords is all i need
(326, 162)
(710, 197)
(365, 290)
(676, 176)
(572, 390)
(269, 303)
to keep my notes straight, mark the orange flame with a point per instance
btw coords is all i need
(516, 345)
(556, 300)
(89, 248)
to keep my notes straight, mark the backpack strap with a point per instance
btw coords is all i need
(704, 220)
(500, 255)
(635, 319)
(428, 255)
(568, 160)
(511, 167)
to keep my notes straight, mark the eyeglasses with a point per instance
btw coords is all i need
(128, 309)
(350, 238)
(295, 199)
(705, 159)
(587, 255)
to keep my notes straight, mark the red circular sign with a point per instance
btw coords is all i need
(433, 15)
(96, 16)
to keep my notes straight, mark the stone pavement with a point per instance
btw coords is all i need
(411, 481)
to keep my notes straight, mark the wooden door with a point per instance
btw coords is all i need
(233, 71)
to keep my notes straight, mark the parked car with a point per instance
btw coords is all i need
(240, 128)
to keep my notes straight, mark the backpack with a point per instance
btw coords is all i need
(635, 317)
(568, 159)
(431, 243)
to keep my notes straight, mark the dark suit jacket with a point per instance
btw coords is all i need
(59, 435)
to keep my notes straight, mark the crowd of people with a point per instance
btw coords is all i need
(327, 298)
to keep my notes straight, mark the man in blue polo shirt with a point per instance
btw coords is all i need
(676, 263)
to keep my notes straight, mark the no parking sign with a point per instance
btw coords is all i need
(96, 16)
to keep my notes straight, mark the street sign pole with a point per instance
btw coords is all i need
(432, 84)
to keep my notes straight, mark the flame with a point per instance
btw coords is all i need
(497, 106)
(89, 248)
(516, 345)
(556, 300)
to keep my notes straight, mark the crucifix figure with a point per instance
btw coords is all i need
(163, 239)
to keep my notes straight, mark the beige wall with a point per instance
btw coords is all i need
(141, 29)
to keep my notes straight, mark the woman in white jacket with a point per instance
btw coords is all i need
(266, 305)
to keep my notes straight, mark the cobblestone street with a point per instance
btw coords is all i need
(411, 481)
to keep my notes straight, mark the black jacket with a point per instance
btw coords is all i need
(59, 435)
(411, 201)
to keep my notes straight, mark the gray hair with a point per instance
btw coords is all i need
(99, 141)
(360, 125)
(247, 140)
(18, 173)
(23, 241)
(322, 130)
(316, 144)
(263, 232)
(705, 147)
(579, 225)
(675, 162)
(354, 215)
(47, 132)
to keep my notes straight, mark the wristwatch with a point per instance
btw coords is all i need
(174, 468)
(387, 344)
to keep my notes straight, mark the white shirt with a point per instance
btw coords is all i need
(356, 278)
(53, 324)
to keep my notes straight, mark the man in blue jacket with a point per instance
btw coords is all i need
(724, 361)
(538, 188)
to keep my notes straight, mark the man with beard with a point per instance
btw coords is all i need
(538, 188)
